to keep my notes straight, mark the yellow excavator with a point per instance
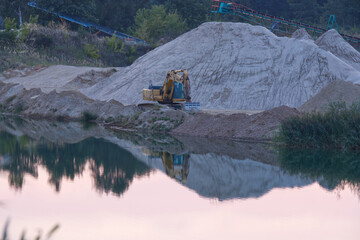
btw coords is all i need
(176, 88)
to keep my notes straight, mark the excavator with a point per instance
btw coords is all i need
(176, 89)
(176, 166)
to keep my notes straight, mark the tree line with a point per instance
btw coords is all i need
(154, 20)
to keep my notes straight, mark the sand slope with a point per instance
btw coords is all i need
(232, 66)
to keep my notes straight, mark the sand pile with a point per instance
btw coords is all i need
(60, 78)
(301, 34)
(333, 42)
(232, 66)
(336, 91)
(67, 104)
(260, 126)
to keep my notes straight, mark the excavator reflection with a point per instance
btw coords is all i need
(176, 165)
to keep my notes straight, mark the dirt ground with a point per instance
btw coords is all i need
(259, 126)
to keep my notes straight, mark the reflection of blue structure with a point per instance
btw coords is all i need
(128, 39)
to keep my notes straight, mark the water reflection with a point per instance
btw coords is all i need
(212, 168)
(332, 168)
(112, 167)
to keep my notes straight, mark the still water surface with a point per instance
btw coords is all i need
(100, 185)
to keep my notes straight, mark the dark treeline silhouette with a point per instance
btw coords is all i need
(121, 14)
(112, 167)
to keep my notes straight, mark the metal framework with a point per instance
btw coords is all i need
(127, 38)
(275, 24)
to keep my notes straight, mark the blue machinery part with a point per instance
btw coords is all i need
(127, 38)
(280, 25)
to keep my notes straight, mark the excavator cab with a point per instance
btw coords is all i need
(176, 166)
(176, 88)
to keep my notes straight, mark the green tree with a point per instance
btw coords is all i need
(77, 8)
(155, 23)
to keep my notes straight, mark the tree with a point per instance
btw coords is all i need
(76, 8)
(305, 10)
(154, 24)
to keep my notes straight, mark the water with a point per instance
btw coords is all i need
(98, 184)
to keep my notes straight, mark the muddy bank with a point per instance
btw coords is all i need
(259, 127)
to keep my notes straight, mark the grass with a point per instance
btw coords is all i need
(338, 127)
(47, 236)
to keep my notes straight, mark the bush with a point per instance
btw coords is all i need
(43, 40)
(8, 37)
(91, 51)
(24, 32)
(34, 19)
(338, 127)
(115, 44)
(88, 116)
(10, 24)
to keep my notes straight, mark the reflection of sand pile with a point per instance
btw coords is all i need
(221, 177)
(232, 66)
(336, 91)
(333, 42)
(301, 34)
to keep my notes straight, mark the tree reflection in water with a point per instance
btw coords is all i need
(333, 168)
(112, 167)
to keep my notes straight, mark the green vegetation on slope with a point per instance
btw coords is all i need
(338, 127)
(34, 44)
(122, 15)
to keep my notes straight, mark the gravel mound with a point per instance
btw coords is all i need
(232, 66)
(336, 91)
(260, 126)
(301, 34)
(61, 78)
(333, 42)
(67, 104)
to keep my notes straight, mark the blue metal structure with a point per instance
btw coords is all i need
(275, 24)
(127, 38)
(332, 23)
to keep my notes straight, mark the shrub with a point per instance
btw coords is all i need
(115, 44)
(8, 36)
(91, 51)
(338, 127)
(24, 32)
(10, 24)
(43, 40)
(34, 19)
(88, 116)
